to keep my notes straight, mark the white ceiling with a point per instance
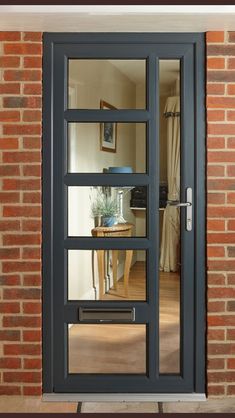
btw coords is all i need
(117, 18)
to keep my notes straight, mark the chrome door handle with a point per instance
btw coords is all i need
(188, 205)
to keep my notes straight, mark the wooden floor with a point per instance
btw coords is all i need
(115, 348)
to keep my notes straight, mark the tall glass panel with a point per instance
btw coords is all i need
(170, 276)
(118, 84)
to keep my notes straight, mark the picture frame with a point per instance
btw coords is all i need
(108, 131)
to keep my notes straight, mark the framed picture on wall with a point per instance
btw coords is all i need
(108, 131)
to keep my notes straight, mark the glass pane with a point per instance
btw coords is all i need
(120, 83)
(101, 147)
(169, 216)
(107, 348)
(107, 275)
(107, 211)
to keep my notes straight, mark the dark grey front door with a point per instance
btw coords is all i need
(123, 213)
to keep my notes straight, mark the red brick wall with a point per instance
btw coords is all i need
(20, 223)
(20, 143)
(221, 212)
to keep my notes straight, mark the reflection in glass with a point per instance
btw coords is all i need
(107, 348)
(94, 147)
(121, 83)
(107, 274)
(92, 209)
(169, 302)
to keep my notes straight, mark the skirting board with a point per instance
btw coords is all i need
(124, 397)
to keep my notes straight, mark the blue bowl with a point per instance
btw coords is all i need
(120, 170)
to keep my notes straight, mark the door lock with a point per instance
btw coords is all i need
(188, 205)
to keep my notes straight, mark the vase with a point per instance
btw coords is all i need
(108, 221)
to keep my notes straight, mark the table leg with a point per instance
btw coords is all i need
(127, 267)
(100, 257)
(114, 265)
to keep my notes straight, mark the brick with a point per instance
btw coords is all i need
(32, 171)
(10, 280)
(231, 225)
(9, 170)
(218, 76)
(214, 50)
(32, 335)
(231, 36)
(215, 142)
(32, 62)
(21, 239)
(215, 37)
(10, 36)
(24, 211)
(20, 266)
(32, 390)
(9, 116)
(32, 280)
(9, 62)
(9, 88)
(32, 307)
(22, 349)
(215, 390)
(32, 142)
(216, 306)
(231, 363)
(221, 348)
(21, 129)
(231, 90)
(15, 294)
(23, 48)
(215, 88)
(231, 251)
(216, 198)
(21, 184)
(26, 377)
(21, 321)
(231, 305)
(9, 307)
(221, 211)
(222, 265)
(9, 335)
(220, 102)
(22, 102)
(223, 321)
(216, 363)
(32, 115)
(231, 63)
(32, 363)
(215, 251)
(221, 292)
(10, 363)
(225, 376)
(31, 225)
(231, 390)
(215, 225)
(9, 143)
(10, 390)
(31, 253)
(9, 253)
(231, 170)
(215, 63)
(9, 197)
(221, 184)
(231, 115)
(32, 197)
(32, 88)
(32, 36)
(231, 143)
(25, 75)
(215, 171)
(216, 279)
(221, 129)
(215, 334)
(231, 334)
(231, 279)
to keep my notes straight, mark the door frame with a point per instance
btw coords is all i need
(50, 41)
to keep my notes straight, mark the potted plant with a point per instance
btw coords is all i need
(104, 210)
